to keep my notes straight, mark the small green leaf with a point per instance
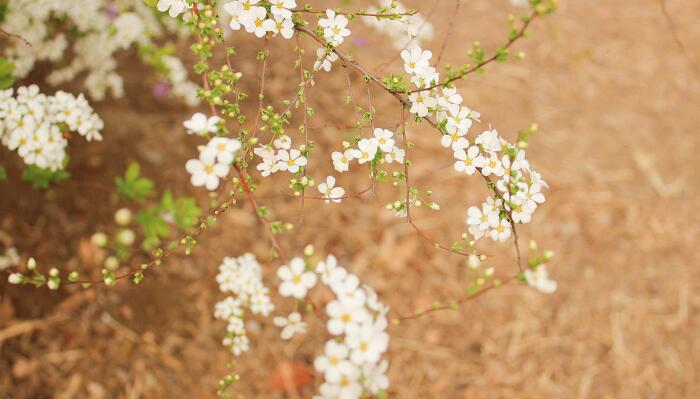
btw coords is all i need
(42, 178)
(3, 173)
(134, 187)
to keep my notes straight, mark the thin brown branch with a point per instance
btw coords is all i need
(15, 36)
(492, 58)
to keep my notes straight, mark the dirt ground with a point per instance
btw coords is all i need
(617, 103)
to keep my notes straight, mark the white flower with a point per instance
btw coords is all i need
(348, 387)
(344, 318)
(480, 222)
(459, 120)
(269, 163)
(428, 77)
(341, 160)
(281, 25)
(290, 160)
(396, 154)
(519, 163)
(416, 60)
(420, 102)
(200, 125)
(324, 59)
(324, 268)
(539, 279)
(334, 362)
(533, 196)
(367, 149)
(468, 161)
(260, 302)
(229, 308)
(283, 8)
(501, 232)
(223, 149)
(330, 192)
(236, 326)
(492, 166)
(450, 99)
(235, 10)
(254, 21)
(368, 344)
(295, 280)
(519, 210)
(489, 140)
(375, 376)
(385, 139)
(282, 142)
(536, 178)
(454, 139)
(348, 289)
(290, 325)
(206, 172)
(334, 27)
(176, 7)
(238, 344)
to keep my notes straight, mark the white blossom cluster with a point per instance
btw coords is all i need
(519, 187)
(280, 157)
(9, 259)
(352, 361)
(538, 278)
(257, 19)
(368, 149)
(97, 29)
(36, 125)
(404, 31)
(242, 277)
(215, 159)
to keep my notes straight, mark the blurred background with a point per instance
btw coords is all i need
(615, 90)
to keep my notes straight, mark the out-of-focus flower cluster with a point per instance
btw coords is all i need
(37, 126)
(242, 278)
(403, 31)
(352, 361)
(90, 33)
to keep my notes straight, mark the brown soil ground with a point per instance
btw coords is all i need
(617, 104)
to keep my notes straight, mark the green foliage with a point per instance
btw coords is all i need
(154, 220)
(3, 173)
(6, 69)
(41, 178)
(154, 227)
(134, 187)
(184, 210)
(153, 56)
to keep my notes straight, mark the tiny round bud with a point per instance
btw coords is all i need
(533, 245)
(122, 216)
(126, 237)
(99, 239)
(112, 263)
(473, 261)
(53, 272)
(308, 250)
(548, 254)
(31, 264)
(15, 278)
